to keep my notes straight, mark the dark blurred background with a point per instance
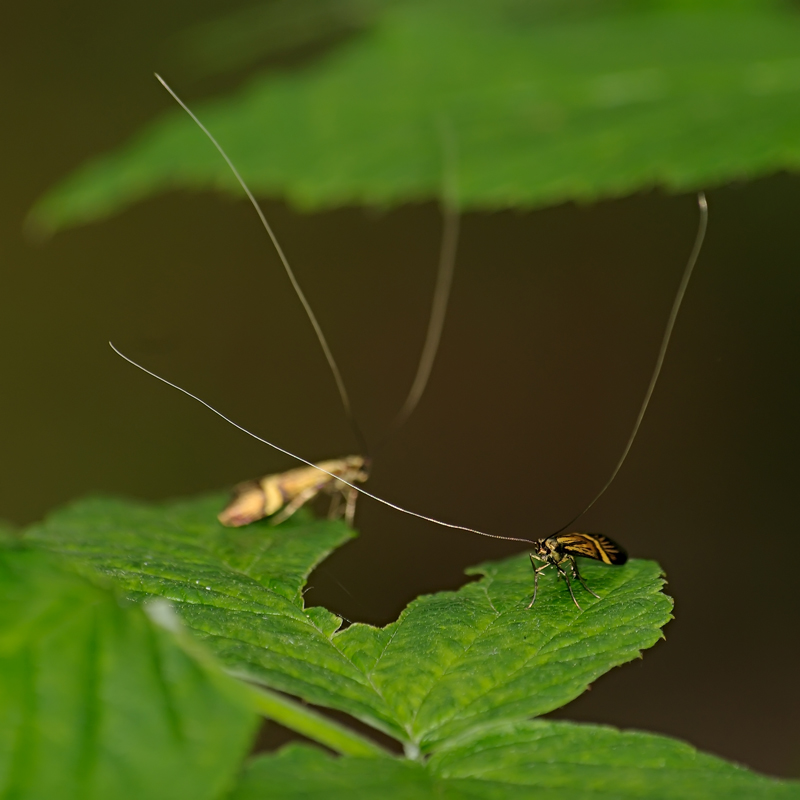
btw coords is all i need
(553, 329)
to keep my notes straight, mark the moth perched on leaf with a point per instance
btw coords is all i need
(285, 492)
(282, 494)
(563, 547)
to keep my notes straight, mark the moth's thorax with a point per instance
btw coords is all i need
(351, 468)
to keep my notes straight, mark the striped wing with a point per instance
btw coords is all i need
(593, 545)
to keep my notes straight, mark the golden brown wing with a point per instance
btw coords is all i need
(254, 500)
(593, 545)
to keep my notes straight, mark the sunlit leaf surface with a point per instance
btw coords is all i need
(454, 662)
(98, 701)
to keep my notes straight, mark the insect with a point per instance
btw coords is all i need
(555, 550)
(558, 550)
(281, 494)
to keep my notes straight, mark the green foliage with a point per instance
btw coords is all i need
(98, 700)
(549, 102)
(111, 642)
(453, 662)
(8, 533)
(524, 761)
(456, 678)
(270, 29)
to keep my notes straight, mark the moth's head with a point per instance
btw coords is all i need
(358, 466)
(540, 550)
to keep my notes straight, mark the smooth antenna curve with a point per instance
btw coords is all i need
(309, 463)
(673, 315)
(334, 367)
(451, 220)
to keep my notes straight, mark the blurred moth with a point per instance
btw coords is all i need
(285, 492)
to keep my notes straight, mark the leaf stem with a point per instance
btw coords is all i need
(301, 719)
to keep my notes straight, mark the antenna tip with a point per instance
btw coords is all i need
(701, 201)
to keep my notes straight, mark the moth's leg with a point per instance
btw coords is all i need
(296, 503)
(350, 508)
(580, 577)
(564, 575)
(536, 571)
(336, 504)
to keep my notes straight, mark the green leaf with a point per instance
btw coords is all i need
(270, 29)
(549, 102)
(557, 761)
(98, 700)
(316, 726)
(452, 663)
(9, 533)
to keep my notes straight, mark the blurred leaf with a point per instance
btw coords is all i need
(98, 701)
(452, 663)
(270, 29)
(9, 533)
(526, 761)
(550, 102)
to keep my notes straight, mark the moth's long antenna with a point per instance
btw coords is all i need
(444, 276)
(309, 463)
(673, 314)
(337, 376)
